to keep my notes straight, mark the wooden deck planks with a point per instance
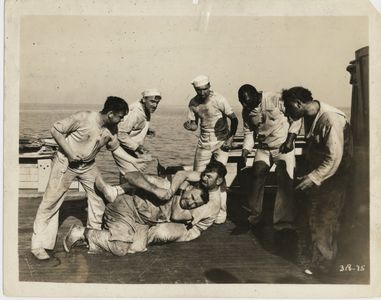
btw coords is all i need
(228, 253)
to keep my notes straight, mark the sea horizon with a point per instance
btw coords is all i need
(92, 106)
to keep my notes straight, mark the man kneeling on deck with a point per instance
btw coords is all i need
(161, 211)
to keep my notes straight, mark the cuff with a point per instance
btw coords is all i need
(315, 179)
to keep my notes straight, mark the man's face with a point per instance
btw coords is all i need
(115, 118)
(249, 101)
(151, 103)
(294, 109)
(191, 199)
(210, 180)
(203, 91)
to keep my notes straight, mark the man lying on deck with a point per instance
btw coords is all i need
(162, 212)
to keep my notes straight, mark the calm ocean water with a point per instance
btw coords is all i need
(172, 145)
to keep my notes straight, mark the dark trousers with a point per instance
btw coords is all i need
(326, 205)
(284, 207)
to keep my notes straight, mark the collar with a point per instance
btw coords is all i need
(323, 107)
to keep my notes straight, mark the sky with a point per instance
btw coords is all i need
(80, 60)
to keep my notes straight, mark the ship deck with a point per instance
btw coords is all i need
(229, 253)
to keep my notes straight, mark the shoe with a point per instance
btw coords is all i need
(221, 217)
(75, 234)
(320, 270)
(254, 219)
(308, 271)
(109, 192)
(40, 254)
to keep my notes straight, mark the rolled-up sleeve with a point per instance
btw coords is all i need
(124, 130)
(69, 124)
(224, 106)
(332, 135)
(113, 143)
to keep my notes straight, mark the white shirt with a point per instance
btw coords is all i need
(133, 129)
(84, 134)
(329, 143)
(212, 115)
(268, 120)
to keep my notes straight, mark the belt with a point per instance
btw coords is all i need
(80, 164)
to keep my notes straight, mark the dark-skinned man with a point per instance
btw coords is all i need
(265, 121)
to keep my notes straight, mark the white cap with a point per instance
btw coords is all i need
(151, 92)
(200, 80)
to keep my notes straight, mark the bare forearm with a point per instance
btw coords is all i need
(177, 180)
(138, 180)
(233, 126)
(182, 176)
(61, 141)
(120, 154)
(190, 125)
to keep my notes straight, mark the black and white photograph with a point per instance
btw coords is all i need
(191, 145)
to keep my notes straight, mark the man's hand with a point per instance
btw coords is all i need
(151, 132)
(190, 125)
(73, 157)
(306, 183)
(141, 149)
(288, 145)
(227, 145)
(140, 164)
(167, 196)
(245, 153)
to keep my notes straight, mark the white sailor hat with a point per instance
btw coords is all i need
(200, 80)
(151, 92)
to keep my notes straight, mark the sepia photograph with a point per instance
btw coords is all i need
(189, 144)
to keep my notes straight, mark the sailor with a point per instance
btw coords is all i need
(328, 156)
(210, 111)
(182, 209)
(80, 137)
(133, 130)
(264, 120)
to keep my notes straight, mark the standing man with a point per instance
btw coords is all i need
(80, 137)
(328, 157)
(264, 120)
(135, 127)
(211, 110)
